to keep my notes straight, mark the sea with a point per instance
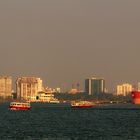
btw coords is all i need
(54, 122)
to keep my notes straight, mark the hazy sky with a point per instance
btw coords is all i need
(66, 41)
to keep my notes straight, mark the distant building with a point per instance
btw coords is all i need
(74, 91)
(28, 87)
(138, 86)
(52, 90)
(94, 86)
(58, 90)
(124, 89)
(5, 86)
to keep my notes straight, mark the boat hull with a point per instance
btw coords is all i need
(136, 97)
(82, 106)
(19, 108)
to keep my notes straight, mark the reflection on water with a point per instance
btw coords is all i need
(117, 122)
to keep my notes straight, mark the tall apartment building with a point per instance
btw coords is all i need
(28, 88)
(138, 88)
(5, 86)
(124, 89)
(94, 86)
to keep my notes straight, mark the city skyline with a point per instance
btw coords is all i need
(66, 42)
(99, 83)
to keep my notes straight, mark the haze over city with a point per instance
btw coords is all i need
(64, 42)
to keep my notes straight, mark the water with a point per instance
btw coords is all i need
(116, 122)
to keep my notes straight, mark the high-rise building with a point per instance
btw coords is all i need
(94, 86)
(28, 88)
(138, 86)
(5, 86)
(124, 89)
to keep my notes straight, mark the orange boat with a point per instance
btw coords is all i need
(136, 97)
(82, 104)
(20, 106)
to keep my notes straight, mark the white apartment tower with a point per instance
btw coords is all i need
(28, 88)
(138, 86)
(5, 86)
(124, 89)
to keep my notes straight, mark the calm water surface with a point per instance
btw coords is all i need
(43, 122)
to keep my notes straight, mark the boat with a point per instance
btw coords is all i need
(82, 104)
(135, 97)
(54, 101)
(20, 106)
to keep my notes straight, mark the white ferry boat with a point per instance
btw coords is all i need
(82, 104)
(20, 106)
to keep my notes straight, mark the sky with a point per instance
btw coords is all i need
(66, 41)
